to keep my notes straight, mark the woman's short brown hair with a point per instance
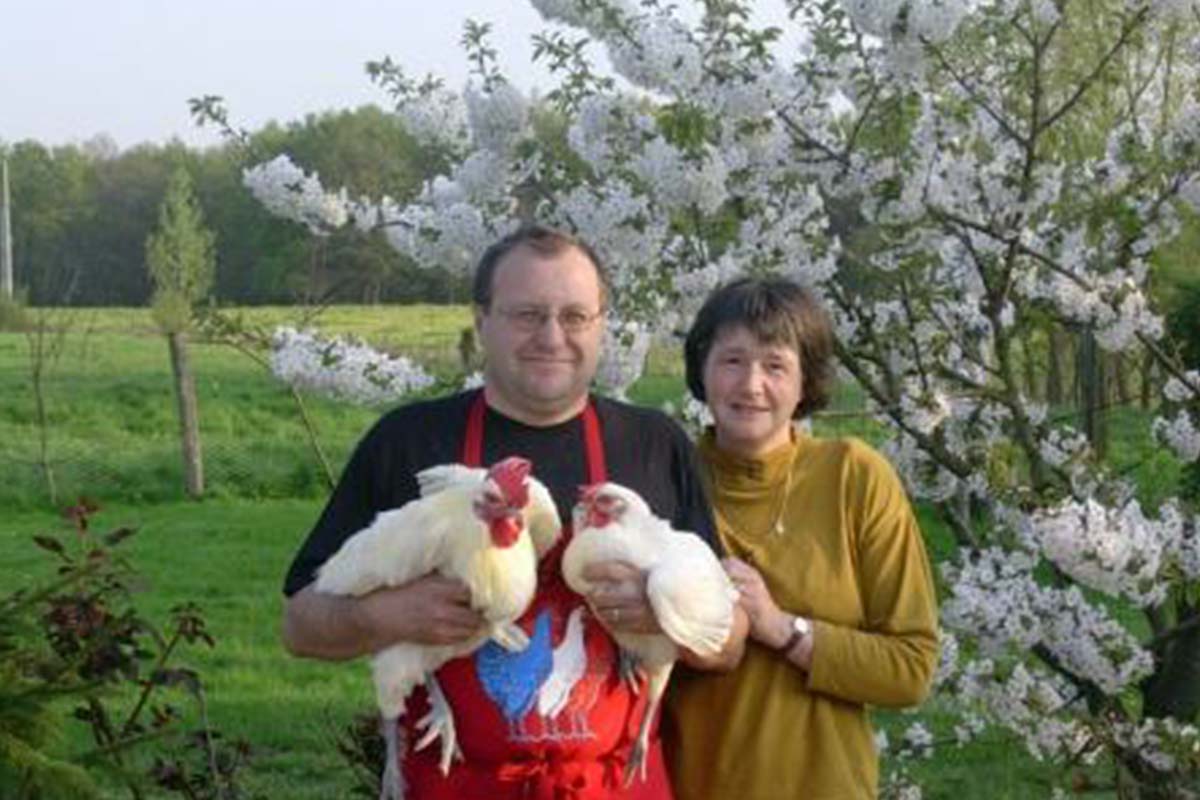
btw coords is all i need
(776, 311)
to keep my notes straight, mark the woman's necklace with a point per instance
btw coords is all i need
(777, 527)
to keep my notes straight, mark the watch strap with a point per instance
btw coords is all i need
(797, 635)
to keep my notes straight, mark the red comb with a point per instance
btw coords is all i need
(509, 474)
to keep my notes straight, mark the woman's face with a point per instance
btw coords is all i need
(752, 389)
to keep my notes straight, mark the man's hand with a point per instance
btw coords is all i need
(429, 610)
(618, 598)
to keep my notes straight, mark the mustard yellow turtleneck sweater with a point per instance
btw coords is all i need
(851, 559)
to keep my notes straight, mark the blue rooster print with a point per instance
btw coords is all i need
(512, 680)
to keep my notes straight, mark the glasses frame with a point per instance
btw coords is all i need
(531, 319)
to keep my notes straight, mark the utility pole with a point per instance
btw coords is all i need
(6, 268)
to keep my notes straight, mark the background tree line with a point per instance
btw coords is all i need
(81, 215)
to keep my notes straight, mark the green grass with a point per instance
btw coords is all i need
(111, 416)
(228, 556)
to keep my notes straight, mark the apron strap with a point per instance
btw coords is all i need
(594, 444)
(472, 451)
(593, 439)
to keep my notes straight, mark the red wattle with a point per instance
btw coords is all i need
(505, 531)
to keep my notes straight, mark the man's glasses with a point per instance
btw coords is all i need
(530, 319)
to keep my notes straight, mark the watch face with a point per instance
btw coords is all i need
(801, 626)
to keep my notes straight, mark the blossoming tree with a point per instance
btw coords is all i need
(951, 175)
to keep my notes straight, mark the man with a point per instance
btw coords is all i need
(539, 300)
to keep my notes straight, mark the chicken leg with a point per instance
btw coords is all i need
(641, 745)
(391, 783)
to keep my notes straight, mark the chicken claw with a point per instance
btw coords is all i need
(631, 672)
(636, 765)
(439, 722)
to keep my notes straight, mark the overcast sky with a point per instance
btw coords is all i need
(71, 69)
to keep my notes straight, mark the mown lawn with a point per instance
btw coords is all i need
(228, 556)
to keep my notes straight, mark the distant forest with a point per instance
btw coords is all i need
(81, 215)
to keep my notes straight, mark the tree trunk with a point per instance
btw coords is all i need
(1147, 379)
(189, 419)
(1028, 367)
(1174, 688)
(6, 262)
(1121, 379)
(1090, 371)
(1054, 369)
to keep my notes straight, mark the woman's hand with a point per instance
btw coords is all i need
(768, 624)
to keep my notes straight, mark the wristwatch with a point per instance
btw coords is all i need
(800, 628)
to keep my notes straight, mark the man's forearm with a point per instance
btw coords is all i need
(325, 626)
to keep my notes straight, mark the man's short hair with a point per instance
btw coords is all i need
(544, 241)
(777, 312)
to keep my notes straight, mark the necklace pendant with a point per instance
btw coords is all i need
(779, 527)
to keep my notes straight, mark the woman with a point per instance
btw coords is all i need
(826, 555)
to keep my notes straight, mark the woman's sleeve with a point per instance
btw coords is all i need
(892, 659)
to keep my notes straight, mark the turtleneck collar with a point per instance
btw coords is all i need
(743, 474)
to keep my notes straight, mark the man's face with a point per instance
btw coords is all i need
(541, 335)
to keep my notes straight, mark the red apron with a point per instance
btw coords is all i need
(511, 750)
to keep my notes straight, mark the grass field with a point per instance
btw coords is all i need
(112, 436)
(112, 425)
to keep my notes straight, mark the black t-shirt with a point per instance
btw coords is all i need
(643, 449)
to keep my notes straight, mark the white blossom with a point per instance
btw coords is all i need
(1115, 550)
(498, 117)
(623, 356)
(661, 55)
(1177, 391)
(289, 192)
(1180, 434)
(437, 118)
(342, 368)
(694, 415)
(681, 182)
(918, 740)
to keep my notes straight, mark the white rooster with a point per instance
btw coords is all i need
(692, 597)
(485, 527)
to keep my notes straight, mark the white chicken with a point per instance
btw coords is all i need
(692, 597)
(486, 528)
